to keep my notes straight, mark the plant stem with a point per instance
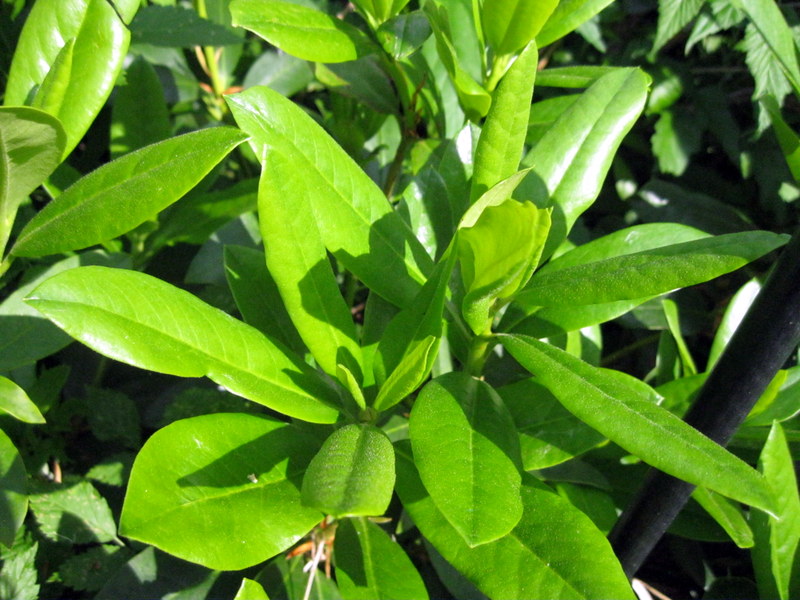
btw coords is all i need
(479, 352)
(765, 339)
(210, 54)
(397, 165)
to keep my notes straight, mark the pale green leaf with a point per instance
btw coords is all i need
(250, 590)
(567, 17)
(510, 24)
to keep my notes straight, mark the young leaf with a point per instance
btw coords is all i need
(777, 536)
(126, 192)
(467, 452)
(298, 262)
(352, 474)
(14, 401)
(510, 24)
(370, 566)
(649, 272)
(301, 31)
(31, 144)
(142, 321)
(567, 17)
(381, 10)
(100, 45)
(229, 495)
(555, 551)
(13, 487)
(571, 160)
(502, 138)
(633, 421)
(356, 222)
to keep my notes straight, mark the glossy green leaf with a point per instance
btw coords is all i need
(633, 421)
(728, 515)
(257, 296)
(301, 31)
(50, 95)
(352, 474)
(298, 262)
(142, 321)
(571, 160)
(31, 144)
(548, 433)
(787, 138)
(777, 536)
(567, 17)
(404, 34)
(100, 41)
(370, 566)
(573, 77)
(770, 23)
(356, 222)
(15, 402)
(409, 374)
(467, 452)
(126, 192)
(500, 145)
(649, 272)
(139, 116)
(250, 590)
(555, 551)
(510, 24)
(229, 495)
(498, 254)
(734, 313)
(13, 488)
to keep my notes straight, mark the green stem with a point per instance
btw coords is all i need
(479, 352)
(397, 165)
(499, 68)
(210, 54)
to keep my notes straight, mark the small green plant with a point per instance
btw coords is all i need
(419, 343)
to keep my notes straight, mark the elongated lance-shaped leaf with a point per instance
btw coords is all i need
(567, 17)
(31, 143)
(571, 160)
(510, 24)
(142, 321)
(727, 514)
(100, 44)
(125, 193)
(370, 566)
(499, 150)
(467, 451)
(355, 220)
(301, 31)
(298, 262)
(774, 555)
(555, 551)
(13, 483)
(228, 497)
(352, 474)
(649, 272)
(15, 402)
(632, 420)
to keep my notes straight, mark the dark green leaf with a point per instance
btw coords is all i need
(404, 34)
(674, 15)
(179, 27)
(13, 487)
(89, 570)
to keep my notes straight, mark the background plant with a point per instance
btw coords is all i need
(382, 408)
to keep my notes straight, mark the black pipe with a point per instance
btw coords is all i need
(761, 345)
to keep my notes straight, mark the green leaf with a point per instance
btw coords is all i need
(787, 138)
(89, 570)
(770, 79)
(677, 136)
(220, 490)
(510, 24)
(649, 272)
(142, 321)
(502, 138)
(257, 296)
(674, 15)
(250, 590)
(777, 536)
(380, 10)
(498, 254)
(100, 41)
(571, 160)
(631, 419)
(31, 144)
(13, 487)
(352, 474)
(567, 17)
(298, 262)
(467, 452)
(370, 566)
(173, 26)
(125, 193)
(72, 512)
(19, 574)
(674, 324)
(140, 116)
(357, 224)
(14, 401)
(733, 316)
(728, 515)
(555, 551)
(404, 34)
(779, 402)
(303, 32)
